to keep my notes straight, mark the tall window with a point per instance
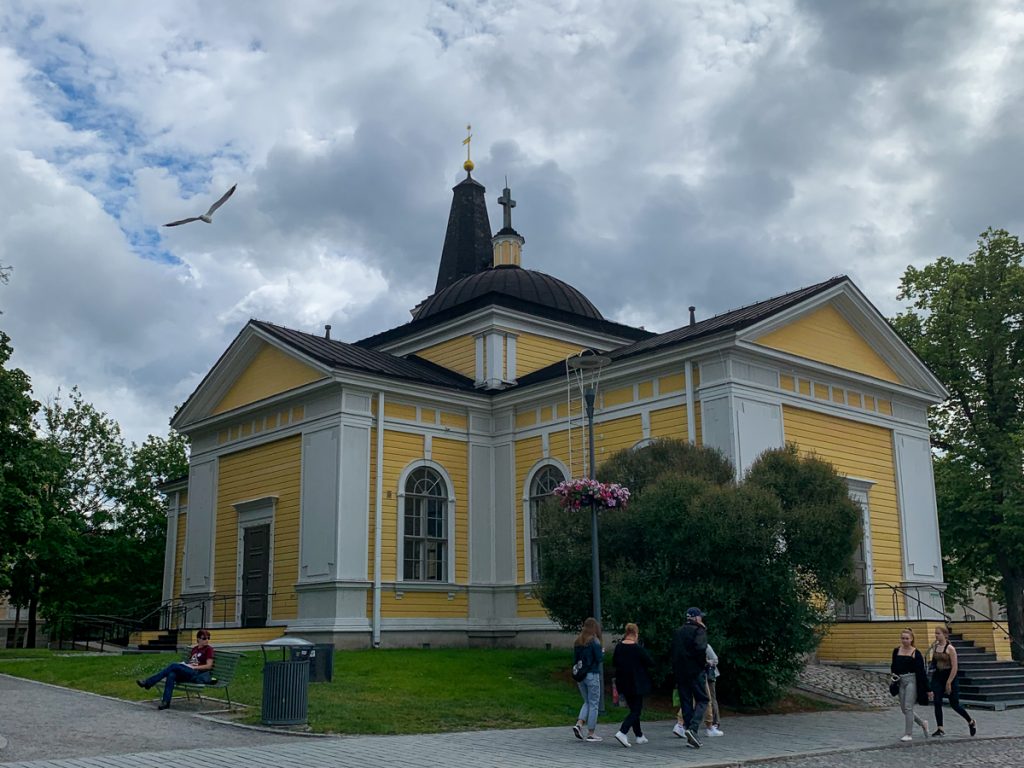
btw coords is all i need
(425, 553)
(541, 488)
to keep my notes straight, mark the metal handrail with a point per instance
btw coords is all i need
(994, 622)
(213, 610)
(896, 591)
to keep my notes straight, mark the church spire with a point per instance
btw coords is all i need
(467, 242)
(507, 244)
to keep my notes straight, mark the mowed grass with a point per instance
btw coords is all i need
(373, 692)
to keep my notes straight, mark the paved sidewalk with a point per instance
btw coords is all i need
(747, 739)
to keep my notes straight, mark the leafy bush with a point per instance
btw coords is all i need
(760, 557)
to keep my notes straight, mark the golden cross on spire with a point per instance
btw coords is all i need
(468, 165)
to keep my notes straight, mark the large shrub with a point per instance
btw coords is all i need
(692, 536)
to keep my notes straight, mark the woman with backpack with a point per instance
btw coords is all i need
(588, 653)
(631, 662)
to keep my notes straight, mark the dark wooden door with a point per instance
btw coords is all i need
(255, 575)
(859, 609)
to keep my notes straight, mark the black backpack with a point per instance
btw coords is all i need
(580, 669)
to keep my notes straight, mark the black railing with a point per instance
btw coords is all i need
(89, 631)
(896, 615)
(210, 612)
(968, 609)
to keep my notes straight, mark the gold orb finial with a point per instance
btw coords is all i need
(468, 165)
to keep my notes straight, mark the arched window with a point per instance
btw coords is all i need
(425, 551)
(543, 485)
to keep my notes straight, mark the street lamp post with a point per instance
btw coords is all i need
(588, 365)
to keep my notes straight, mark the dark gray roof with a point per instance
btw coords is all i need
(732, 321)
(511, 280)
(339, 354)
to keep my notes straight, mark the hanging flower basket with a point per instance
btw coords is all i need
(580, 493)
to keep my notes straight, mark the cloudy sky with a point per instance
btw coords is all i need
(662, 154)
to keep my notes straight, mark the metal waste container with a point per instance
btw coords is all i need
(285, 684)
(321, 661)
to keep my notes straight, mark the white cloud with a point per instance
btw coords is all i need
(661, 154)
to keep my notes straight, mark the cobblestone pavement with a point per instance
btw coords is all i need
(1005, 753)
(809, 739)
(868, 688)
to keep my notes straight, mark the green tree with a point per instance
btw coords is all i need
(692, 536)
(20, 454)
(966, 325)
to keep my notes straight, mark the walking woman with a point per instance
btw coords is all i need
(587, 649)
(944, 681)
(908, 666)
(631, 662)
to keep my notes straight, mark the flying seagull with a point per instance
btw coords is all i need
(208, 216)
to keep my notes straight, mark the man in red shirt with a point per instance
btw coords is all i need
(195, 670)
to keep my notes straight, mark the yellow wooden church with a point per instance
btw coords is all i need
(384, 491)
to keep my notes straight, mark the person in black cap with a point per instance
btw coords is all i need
(689, 658)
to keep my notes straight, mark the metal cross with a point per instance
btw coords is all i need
(506, 202)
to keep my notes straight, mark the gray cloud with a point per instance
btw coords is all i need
(661, 155)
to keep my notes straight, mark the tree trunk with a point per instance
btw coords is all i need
(17, 623)
(1013, 598)
(33, 609)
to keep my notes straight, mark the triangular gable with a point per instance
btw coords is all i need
(255, 366)
(840, 328)
(826, 336)
(271, 372)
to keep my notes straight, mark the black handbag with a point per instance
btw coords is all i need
(894, 686)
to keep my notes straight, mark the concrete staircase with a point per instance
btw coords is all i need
(985, 682)
(165, 641)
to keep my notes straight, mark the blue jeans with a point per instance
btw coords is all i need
(175, 673)
(590, 690)
(693, 696)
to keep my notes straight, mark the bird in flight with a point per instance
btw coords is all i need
(208, 216)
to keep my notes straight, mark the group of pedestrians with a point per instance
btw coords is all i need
(913, 685)
(694, 669)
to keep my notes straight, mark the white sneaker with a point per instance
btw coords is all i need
(906, 738)
(622, 738)
(679, 731)
(714, 730)
(641, 739)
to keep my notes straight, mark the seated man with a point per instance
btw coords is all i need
(195, 670)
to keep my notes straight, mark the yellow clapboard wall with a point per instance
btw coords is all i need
(457, 354)
(986, 635)
(273, 469)
(862, 451)
(867, 642)
(528, 606)
(528, 452)
(826, 336)
(416, 604)
(534, 352)
(271, 372)
(400, 449)
(179, 554)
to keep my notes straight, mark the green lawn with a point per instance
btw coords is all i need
(381, 692)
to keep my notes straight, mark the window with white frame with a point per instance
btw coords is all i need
(541, 489)
(425, 545)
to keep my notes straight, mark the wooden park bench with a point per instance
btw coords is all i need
(224, 665)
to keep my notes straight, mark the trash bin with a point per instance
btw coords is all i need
(285, 684)
(321, 661)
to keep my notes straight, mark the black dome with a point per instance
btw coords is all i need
(511, 280)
